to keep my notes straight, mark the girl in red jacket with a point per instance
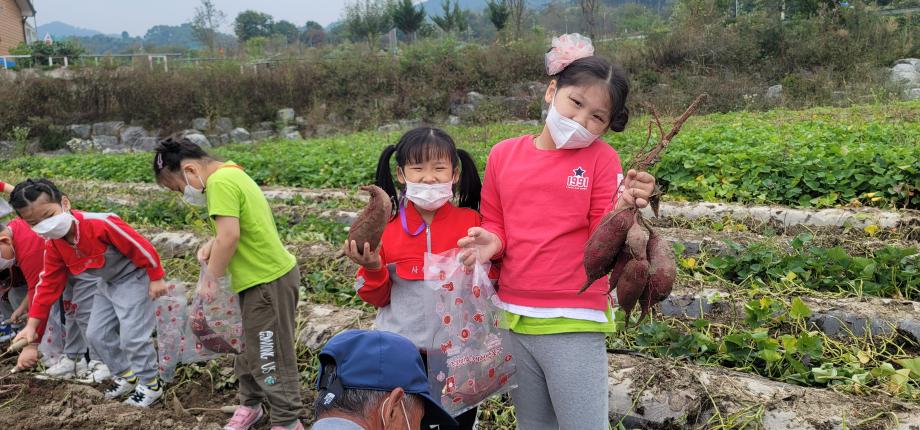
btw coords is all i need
(429, 167)
(130, 278)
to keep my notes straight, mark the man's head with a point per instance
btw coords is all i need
(376, 379)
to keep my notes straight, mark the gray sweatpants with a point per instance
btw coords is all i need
(78, 305)
(122, 321)
(562, 381)
(14, 298)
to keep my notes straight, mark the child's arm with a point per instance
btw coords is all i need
(48, 290)
(604, 196)
(489, 239)
(372, 283)
(224, 246)
(138, 249)
(5, 188)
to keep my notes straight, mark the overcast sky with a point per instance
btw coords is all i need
(137, 16)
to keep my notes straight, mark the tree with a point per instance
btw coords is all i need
(286, 29)
(589, 12)
(206, 22)
(498, 13)
(251, 24)
(125, 35)
(313, 35)
(367, 19)
(517, 15)
(454, 18)
(407, 17)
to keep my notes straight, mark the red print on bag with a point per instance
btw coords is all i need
(458, 302)
(446, 319)
(508, 357)
(442, 276)
(476, 291)
(491, 372)
(478, 317)
(503, 379)
(465, 334)
(451, 384)
(448, 286)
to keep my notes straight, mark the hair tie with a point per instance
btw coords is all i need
(160, 160)
(566, 49)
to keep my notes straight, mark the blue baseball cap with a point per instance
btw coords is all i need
(379, 361)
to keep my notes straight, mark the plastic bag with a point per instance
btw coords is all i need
(52, 342)
(5, 208)
(171, 316)
(215, 322)
(468, 360)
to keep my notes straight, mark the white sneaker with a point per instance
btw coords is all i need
(144, 396)
(96, 372)
(65, 369)
(120, 387)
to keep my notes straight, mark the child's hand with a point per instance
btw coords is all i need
(204, 253)
(637, 189)
(157, 289)
(369, 260)
(28, 332)
(20, 312)
(479, 245)
(28, 358)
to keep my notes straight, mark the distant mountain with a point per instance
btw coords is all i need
(59, 29)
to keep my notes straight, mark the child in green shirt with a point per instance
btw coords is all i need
(262, 272)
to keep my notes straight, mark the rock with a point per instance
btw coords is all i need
(912, 94)
(146, 144)
(410, 123)
(475, 98)
(201, 124)
(197, 138)
(529, 89)
(300, 121)
(290, 132)
(389, 128)
(218, 139)
(265, 126)
(453, 120)
(463, 110)
(906, 72)
(103, 142)
(111, 128)
(82, 145)
(239, 134)
(262, 135)
(286, 116)
(175, 244)
(774, 93)
(81, 131)
(325, 321)
(131, 136)
(224, 125)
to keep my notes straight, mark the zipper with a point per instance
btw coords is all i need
(428, 237)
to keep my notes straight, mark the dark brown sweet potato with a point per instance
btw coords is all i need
(631, 284)
(637, 240)
(605, 243)
(369, 226)
(206, 335)
(617, 272)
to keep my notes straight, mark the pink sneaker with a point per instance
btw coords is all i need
(244, 418)
(296, 425)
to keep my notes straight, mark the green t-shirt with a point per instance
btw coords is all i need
(530, 325)
(260, 256)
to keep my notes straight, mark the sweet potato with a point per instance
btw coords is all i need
(637, 240)
(617, 272)
(370, 223)
(605, 243)
(631, 284)
(206, 335)
(662, 269)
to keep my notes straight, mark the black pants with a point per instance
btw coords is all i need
(466, 419)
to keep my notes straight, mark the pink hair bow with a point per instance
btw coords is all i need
(566, 49)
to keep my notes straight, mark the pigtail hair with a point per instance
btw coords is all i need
(470, 185)
(384, 176)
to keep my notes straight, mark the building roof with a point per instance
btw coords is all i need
(27, 8)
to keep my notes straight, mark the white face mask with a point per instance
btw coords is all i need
(192, 195)
(55, 227)
(429, 196)
(383, 417)
(567, 133)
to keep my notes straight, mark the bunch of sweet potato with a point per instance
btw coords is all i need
(639, 261)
